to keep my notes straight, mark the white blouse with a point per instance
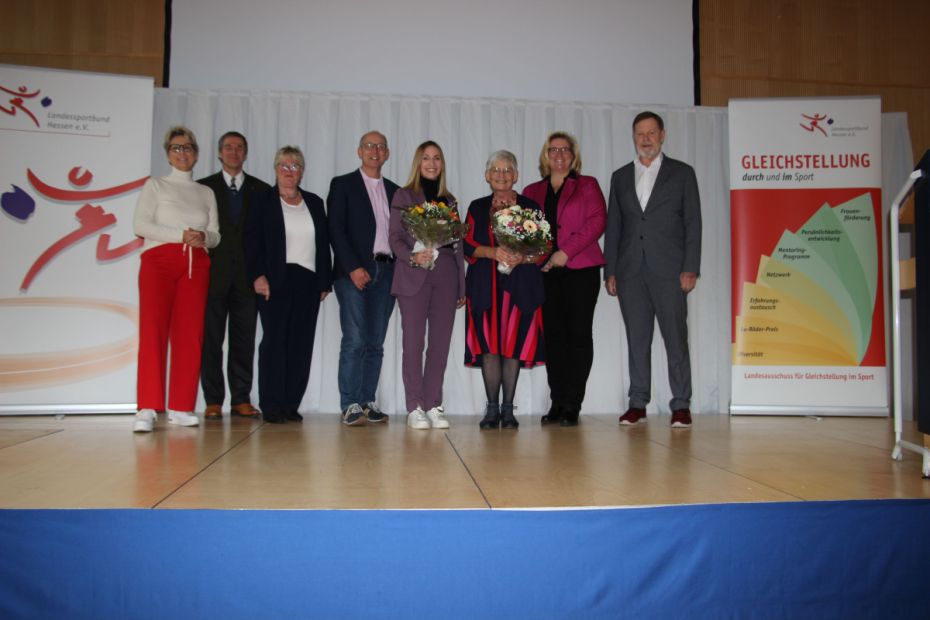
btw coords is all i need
(171, 204)
(299, 235)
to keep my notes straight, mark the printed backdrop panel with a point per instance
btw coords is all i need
(76, 150)
(805, 203)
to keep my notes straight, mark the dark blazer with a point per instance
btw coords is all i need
(352, 222)
(265, 244)
(409, 280)
(227, 260)
(666, 235)
(525, 283)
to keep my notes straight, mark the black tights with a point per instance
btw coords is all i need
(495, 374)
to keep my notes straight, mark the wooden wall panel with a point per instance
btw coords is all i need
(782, 48)
(109, 36)
(790, 48)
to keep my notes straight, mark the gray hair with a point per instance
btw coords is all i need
(373, 132)
(501, 155)
(180, 131)
(289, 151)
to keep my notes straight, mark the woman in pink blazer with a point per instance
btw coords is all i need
(575, 208)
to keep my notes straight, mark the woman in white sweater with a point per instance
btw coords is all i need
(177, 218)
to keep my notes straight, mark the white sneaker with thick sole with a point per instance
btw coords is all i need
(145, 420)
(418, 420)
(436, 418)
(182, 418)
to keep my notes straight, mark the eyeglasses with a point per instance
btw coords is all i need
(502, 171)
(371, 146)
(182, 148)
(555, 150)
(290, 167)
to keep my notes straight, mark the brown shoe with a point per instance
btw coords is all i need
(245, 410)
(633, 415)
(213, 412)
(681, 418)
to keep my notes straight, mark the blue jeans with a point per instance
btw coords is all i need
(364, 317)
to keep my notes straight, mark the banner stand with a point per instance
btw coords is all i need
(808, 304)
(900, 445)
(865, 412)
(76, 152)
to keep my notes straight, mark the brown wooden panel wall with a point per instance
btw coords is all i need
(780, 48)
(791, 48)
(109, 36)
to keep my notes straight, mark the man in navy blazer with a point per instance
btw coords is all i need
(358, 207)
(230, 295)
(652, 247)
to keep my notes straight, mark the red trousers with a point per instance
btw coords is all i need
(173, 282)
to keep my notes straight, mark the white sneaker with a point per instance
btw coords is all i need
(436, 418)
(182, 418)
(145, 420)
(417, 419)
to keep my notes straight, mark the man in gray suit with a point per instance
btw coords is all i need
(653, 250)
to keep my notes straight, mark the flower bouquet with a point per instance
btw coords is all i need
(433, 224)
(520, 230)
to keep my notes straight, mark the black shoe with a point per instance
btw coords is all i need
(291, 415)
(374, 414)
(354, 416)
(273, 417)
(492, 417)
(570, 416)
(507, 419)
(554, 416)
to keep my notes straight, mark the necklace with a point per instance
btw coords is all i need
(498, 203)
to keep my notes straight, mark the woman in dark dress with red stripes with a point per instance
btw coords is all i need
(504, 322)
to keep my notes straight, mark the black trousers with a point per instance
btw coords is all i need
(239, 309)
(568, 317)
(289, 326)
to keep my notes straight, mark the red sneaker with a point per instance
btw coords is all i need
(681, 418)
(633, 416)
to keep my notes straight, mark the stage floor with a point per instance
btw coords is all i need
(83, 461)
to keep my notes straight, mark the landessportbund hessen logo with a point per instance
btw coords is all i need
(813, 123)
(21, 99)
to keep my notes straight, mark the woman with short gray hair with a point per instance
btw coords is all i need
(504, 318)
(177, 219)
(289, 265)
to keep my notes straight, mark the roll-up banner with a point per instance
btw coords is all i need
(808, 307)
(76, 151)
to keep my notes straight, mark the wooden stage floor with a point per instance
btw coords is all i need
(85, 461)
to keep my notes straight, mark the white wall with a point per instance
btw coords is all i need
(625, 51)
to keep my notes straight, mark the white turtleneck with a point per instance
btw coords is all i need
(170, 205)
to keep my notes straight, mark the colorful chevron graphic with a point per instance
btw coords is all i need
(814, 294)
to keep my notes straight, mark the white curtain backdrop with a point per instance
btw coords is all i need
(327, 127)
